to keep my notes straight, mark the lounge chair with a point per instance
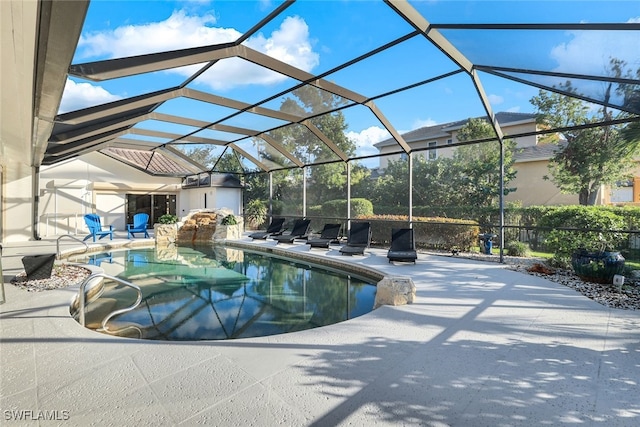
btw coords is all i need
(140, 222)
(403, 247)
(328, 235)
(359, 239)
(300, 230)
(96, 229)
(274, 229)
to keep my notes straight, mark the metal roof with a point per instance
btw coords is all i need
(425, 44)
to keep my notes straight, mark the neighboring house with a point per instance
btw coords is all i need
(531, 158)
(532, 164)
(438, 138)
(112, 184)
(531, 188)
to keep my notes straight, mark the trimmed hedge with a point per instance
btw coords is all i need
(432, 233)
(338, 209)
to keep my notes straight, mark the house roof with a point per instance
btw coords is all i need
(155, 163)
(537, 152)
(445, 129)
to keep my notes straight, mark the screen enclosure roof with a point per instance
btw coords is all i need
(221, 79)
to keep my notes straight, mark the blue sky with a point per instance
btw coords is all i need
(317, 36)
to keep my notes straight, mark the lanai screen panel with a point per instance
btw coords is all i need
(616, 93)
(257, 122)
(308, 101)
(205, 154)
(403, 67)
(194, 109)
(165, 127)
(433, 103)
(242, 80)
(266, 153)
(303, 144)
(356, 28)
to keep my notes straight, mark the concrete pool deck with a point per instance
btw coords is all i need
(481, 346)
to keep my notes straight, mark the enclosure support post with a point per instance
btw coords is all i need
(304, 192)
(410, 190)
(501, 198)
(270, 194)
(348, 196)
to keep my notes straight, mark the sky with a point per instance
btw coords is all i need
(317, 36)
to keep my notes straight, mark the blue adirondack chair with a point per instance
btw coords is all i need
(96, 229)
(140, 222)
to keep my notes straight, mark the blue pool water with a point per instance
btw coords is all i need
(219, 293)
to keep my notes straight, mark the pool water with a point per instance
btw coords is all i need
(219, 293)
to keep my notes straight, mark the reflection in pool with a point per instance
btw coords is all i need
(218, 293)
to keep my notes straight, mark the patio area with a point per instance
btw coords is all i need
(481, 346)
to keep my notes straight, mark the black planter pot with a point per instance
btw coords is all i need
(598, 267)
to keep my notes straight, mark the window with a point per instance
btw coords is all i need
(433, 153)
(449, 141)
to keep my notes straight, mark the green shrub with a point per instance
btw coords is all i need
(315, 211)
(255, 213)
(516, 248)
(581, 227)
(361, 207)
(168, 219)
(334, 209)
(446, 233)
(229, 220)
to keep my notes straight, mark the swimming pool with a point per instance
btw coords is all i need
(220, 293)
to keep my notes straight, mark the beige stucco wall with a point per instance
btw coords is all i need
(523, 141)
(532, 189)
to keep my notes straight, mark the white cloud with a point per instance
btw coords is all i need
(588, 52)
(82, 95)
(289, 43)
(365, 139)
(179, 31)
(495, 99)
(419, 123)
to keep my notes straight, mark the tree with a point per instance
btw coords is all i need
(592, 156)
(328, 180)
(200, 153)
(391, 189)
(477, 166)
(471, 177)
(432, 182)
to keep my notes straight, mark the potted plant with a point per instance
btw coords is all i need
(166, 229)
(586, 238)
(168, 219)
(597, 260)
(597, 266)
(230, 228)
(229, 220)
